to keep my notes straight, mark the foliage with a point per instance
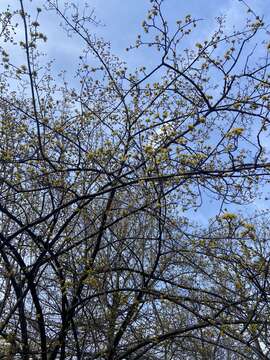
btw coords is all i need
(100, 256)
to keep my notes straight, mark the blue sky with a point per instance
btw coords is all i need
(123, 18)
(122, 22)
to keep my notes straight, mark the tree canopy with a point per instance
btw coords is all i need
(102, 255)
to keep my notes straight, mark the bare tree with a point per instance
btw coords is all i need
(100, 258)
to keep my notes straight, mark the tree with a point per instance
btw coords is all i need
(100, 256)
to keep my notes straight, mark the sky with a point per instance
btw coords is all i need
(121, 23)
(122, 20)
